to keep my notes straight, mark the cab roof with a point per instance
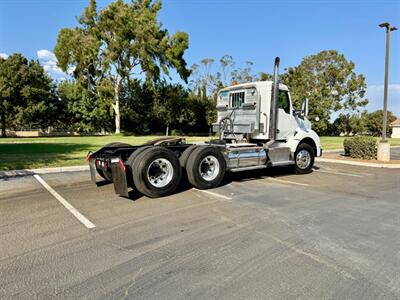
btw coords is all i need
(256, 84)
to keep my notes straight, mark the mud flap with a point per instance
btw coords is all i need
(119, 177)
(93, 170)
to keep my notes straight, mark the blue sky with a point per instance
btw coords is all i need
(255, 30)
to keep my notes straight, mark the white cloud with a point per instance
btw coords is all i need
(46, 55)
(49, 62)
(375, 97)
(4, 55)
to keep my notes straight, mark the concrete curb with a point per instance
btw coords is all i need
(331, 151)
(359, 163)
(25, 172)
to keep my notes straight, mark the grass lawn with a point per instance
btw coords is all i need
(23, 153)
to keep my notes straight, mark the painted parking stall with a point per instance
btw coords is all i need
(252, 229)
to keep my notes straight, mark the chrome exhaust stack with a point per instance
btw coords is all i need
(273, 121)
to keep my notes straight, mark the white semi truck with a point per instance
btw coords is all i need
(258, 128)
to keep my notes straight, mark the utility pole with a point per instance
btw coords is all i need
(384, 147)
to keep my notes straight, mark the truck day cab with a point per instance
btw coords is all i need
(257, 126)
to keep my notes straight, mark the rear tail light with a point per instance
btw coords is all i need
(122, 166)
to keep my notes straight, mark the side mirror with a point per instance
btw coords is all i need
(304, 107)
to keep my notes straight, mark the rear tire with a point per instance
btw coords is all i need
(206, 167)
(156, 172)
(303, 159)
(130, 161)
(135, 154)
(185, 155)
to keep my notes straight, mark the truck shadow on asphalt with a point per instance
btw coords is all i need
(275, 172)
(184, 185)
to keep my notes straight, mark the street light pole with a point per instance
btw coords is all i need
(389, 28)
(384, 147)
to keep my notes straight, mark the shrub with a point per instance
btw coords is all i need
(176, 132)
(364, 147)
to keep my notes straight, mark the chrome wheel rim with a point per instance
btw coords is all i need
(303, 159)
(209, 168)
(160, 172)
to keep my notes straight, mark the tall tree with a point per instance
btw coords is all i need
(86, 113)
(137, 100)
(243, 75)
(170, 105)
(330, 83)
(373, 121)
(27, 95)
(123, 41)
(227, 64)
(349, 124)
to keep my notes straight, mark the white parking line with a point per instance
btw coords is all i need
(325, 168)
(340, 173)
(287, 181)
(66, 204)
(213, 194)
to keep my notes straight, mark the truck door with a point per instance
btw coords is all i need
(285, 116)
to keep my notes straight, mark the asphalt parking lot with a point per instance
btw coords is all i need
(395, 153)
(331, 234)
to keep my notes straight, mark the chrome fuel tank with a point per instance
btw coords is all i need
(241, 157)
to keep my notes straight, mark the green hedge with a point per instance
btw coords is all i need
(364, 147)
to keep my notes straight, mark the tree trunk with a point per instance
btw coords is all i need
(116, 107)
(167, 131)
(3, 125)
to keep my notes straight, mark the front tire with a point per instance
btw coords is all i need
(156, 172)
(206, 167)
(304, 159)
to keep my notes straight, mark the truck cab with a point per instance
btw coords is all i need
(248, 107)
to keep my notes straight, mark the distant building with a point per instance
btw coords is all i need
(395, 128)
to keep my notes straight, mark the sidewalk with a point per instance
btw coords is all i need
(24, 172)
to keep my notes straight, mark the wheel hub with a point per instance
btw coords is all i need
(303, 159)
(209, 168)
(160, 172)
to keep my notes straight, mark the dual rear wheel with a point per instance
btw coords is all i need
(157, 171)
(205, 167)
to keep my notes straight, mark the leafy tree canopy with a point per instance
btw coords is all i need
(27, 96)
(118, 43)
(374, 121)
(330, 83)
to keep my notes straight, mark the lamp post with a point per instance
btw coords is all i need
(384, 147)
